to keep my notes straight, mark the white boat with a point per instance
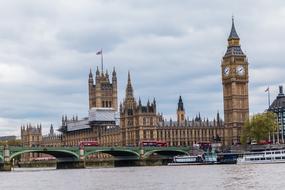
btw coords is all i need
(209, 158)
(264, 157)
(186, 160)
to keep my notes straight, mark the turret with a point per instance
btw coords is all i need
(51, 131)
(218, 118)
(97, 72)
(114, 90)
(129, 89)
(281, 94)
(154, 105)
(114, 74)
(90, 80)
(180, 112)
(107, 75)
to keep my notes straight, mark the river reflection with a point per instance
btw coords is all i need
(208, 177)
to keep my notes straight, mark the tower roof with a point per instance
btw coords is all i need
(234, 48)
(129, 89)
(180, 104)
(279, 102)
(90, 74)
(233, 34)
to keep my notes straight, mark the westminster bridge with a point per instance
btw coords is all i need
(74, 157)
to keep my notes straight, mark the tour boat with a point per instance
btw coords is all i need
(186, 160)
(206, 158)
(264, 157)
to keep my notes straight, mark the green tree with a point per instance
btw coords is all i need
(258, 127)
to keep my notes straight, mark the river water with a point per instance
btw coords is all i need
(208, 177)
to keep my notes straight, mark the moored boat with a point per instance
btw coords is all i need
(263, 157)
(206, 158)
(186, 160)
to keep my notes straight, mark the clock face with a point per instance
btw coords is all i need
(226, 71)
(240, 70)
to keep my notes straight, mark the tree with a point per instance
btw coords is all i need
(11, 143)
(258, 127)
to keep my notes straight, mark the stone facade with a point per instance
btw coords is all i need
(142, 123)
(31, 136)
(52, 139)
(103, 93)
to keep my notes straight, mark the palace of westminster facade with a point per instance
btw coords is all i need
(135, 122)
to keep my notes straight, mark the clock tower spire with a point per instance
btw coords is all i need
(235, 88)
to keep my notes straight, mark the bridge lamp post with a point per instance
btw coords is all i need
(81, 153)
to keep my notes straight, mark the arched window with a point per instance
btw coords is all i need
(151, 121)
(144, 121)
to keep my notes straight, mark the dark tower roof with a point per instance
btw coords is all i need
(180, 104)
(234, 48)
(114, 72)
(90, 74)
(90, 80)
(233, 34)
(279, 102)
(97, 71)
(129, 89)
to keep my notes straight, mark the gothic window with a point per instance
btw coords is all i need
(144, 121)
(151, 134)
(130, 112)
(129, 122)
(151, 121)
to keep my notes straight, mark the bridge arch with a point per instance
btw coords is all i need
(116, 153)
(58, 154)
(169, 153)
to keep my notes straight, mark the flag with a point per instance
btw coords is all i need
(267, 89)
(99, 52)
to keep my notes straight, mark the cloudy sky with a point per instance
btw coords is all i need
(171, 48)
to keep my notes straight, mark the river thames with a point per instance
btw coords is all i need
(208, 177)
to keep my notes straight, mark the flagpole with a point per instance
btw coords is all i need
(268, 98)
(268, 94)
(102, 61)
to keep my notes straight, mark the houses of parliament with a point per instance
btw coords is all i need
(132, 122)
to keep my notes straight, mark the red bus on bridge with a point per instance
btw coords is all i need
(153, 143)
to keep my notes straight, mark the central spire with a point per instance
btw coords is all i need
(180, 104)
(129, 89)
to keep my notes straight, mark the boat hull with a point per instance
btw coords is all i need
(261, 162)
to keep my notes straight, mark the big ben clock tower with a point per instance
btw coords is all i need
(235, 88)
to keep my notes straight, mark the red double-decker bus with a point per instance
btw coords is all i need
(153, 143)
(205, 145)
(88, 143)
